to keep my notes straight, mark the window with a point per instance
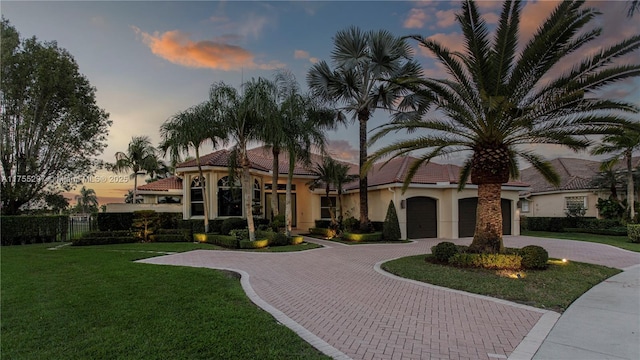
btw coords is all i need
(325, 205)
(229, 197)
(573, 202)
(524, 205)
(197, 196)
(256, 205)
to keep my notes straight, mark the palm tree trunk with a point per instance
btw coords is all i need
(363, 116)
(287, 211)
(135, 187)
(204, 193)
(274, 182)
(332, 214)
(630, 195)
(488, 233)
(340, 217)
(246, 193)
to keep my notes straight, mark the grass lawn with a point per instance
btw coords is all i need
(618, 241)
(553, 289)
(95, 303)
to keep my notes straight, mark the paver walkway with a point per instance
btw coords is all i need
(335, 299)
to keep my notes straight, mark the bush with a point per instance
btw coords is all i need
(323, 223)
(444, 250)
(296, 240)
(610, 209)
(27, 229)
(391, 226)
(378, 226)
(278, 222)
(232, 224)
(487, 261)
(169, 220)
(376, 236)
(350, 224)
(114, 221)
(227, 241)
(614, 231)
(105, 238)
(261, 224)
(591, 223)
(633, 231)
(328, 233)
(279, 239)
(257, 244)
(553, 224)
(534, 257)
(146, 222)
(172, 235)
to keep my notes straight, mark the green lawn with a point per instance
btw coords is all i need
(95, 303)
(618, 241)
(554, 289)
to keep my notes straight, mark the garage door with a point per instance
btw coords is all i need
(422, 218)
(467, 216)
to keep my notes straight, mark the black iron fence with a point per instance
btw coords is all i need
(79, 225)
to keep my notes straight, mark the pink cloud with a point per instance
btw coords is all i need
(416, 19)
(300, 54)
(452, 41)
(446, 18)
(177, 48)
(342, 150)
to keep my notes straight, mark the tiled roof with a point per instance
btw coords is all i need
(170, 183)
(575, 174)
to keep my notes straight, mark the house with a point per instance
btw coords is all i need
(431, 206)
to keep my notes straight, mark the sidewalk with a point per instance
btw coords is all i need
(604, 323)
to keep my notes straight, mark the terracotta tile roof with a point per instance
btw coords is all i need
(170, 183)
(575, 174)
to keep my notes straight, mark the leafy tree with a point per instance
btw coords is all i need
(140, 157)
(364, 62)
(324, 175)
(391, 226)
(341, 177)
(52, 128)
(622, 145)
(634, 5)
(87, 201)
(56, 202)
(501, 96)
(128, 198)
(145, 221)
(189, 130)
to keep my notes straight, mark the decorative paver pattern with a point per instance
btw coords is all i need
(335, 294)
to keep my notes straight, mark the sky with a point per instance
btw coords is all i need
(151, 59)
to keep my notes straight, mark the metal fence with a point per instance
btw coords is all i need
(81, 225)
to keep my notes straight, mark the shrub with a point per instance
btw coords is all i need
(391, 226)
(114, 221)
(444, 250)
(296, 240)
(591, 223)
(323, 223)
(105, 238)
(350, 224)
(257, 244)
(261, 224)
(614, 231)
(328, 233)
(279, 239)
(232, 224)
(171, 235)
(610, 209)
(227, 241)
(27, 229)
(169, 220)
(277, 222)
(378, 225)
(633, 231)
(534, 257)
(146, 222)
(376, 236)
(487, 261)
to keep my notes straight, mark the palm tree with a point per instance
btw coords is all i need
(364, 63)
(341, 177)
(188, 130)
(634, 5)
(622, 145)
(324, 175)
(141, 156)
(497, 101)
(242, 115)
(87, 201)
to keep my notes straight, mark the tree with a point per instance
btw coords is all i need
(622, 145)
(324, 175)
(391, 226)
(52, 128)
(189, 130)
(56, 202)
(87, 201)
(341, 177)
(364, 63)
(496, 101)
(634, 5)
(242, 116)
(141, 157)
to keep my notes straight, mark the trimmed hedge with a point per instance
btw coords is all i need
(257, 244)
(487, 261)
(376, 236)
(279, 239)
(323, 223)
(105, 238)
(614, 231)
(115, 221)
(322, 232)
(534, 257)
(633, 231)
(227, 241)
(444, 250)
(573, 224)
(296, 240)
(232, 224)
(171, 235)
(27, 229)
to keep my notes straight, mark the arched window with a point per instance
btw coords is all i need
(197, 196)
(229, 197)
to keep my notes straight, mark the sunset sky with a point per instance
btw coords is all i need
(149, 60)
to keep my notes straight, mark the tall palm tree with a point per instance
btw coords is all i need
(622, 145)
(341, 177)
(243, 115)
(87, 201)
(364, 62)
(140, 157)
(496, 101)
(324, 175)
(189, 130)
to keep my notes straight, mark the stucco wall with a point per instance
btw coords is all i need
(553, 205)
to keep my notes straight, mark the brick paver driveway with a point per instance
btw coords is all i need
(335, 299)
